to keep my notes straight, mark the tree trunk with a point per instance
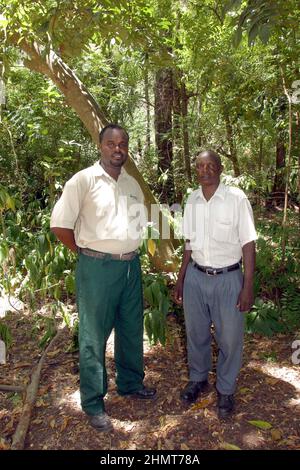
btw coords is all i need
(279, 183)
(178, 158)
(185, 132)
(231, 143)
(277, 195)
(83, 103)
(147, 98)
(284, 240)
(296, 145)
(199, 132)
(163, 133)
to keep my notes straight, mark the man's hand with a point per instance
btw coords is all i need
(178, 292)
(245, 299)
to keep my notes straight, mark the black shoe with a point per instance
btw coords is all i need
(101, 422)
(144, 394)
(225, 405)
(191, 391)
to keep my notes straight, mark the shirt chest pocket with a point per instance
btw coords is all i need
(223, 230)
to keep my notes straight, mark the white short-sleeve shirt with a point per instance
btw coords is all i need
(106, 215)
(218, 228)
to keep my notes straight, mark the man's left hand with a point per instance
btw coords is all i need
(245, 299)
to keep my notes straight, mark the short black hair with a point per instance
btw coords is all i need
(111, 126)
(212, 154)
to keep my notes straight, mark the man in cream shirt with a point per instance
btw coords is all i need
(100, 215)
(219, 231)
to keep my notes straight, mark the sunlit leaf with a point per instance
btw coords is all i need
(151, 247)
(260, 424)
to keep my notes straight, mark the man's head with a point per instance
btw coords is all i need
(113, 146)
(209, 168)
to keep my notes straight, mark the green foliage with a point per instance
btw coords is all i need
(277, 290)
(50, 332)
(5, 335)
(157, 306)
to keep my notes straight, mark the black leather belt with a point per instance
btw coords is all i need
(215, 271)
(98, 254)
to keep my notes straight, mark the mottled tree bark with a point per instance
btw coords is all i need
(163, 132)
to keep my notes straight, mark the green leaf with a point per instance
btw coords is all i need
(253, 33)
(3, 22)
(3, 252)
(237, 37)
(264, 33)
(228, 446)
(261, 424)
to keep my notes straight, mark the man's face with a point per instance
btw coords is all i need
(208, 170)
(114, 148)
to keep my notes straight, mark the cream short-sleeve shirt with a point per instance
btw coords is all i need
(218, 228)
(106, 215)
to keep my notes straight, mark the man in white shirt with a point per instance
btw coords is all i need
(100, 215)
(219, 231)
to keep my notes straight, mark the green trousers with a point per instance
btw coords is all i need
(109, 295)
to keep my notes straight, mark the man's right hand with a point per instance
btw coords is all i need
(178, 292)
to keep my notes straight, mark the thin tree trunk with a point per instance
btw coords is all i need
(288, 170)
(163, 132)
(185, 132)
(231, 143)
(199, 125)
(179, 178)
(148, 116)
(297, 151)
(279, 182)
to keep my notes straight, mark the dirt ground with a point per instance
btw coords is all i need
(268, 393)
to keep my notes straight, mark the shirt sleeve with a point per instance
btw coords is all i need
(187, 222)
(67, 208)
(246, 228)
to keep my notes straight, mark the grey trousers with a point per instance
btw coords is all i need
(212, 299)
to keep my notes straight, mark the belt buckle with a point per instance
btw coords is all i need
(212, 272)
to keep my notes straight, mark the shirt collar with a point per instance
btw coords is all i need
(98, 170)
(220, 192)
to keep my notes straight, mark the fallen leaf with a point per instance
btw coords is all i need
(4, 445)
(53, 353)
(52, 423)
(255, 355)
(228, 446)
(37, 421)
(260, 424)
(170, 398)
(276, 434)
(202, 404)
(65, 423)
(271, 381)
(245, 390)
(44, 390)
(184, 447)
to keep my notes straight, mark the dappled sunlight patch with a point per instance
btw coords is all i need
(286, 374)
(253, 439)
(72, 399)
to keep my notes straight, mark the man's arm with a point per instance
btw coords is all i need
(66, 236)
(246, 297)
(178, 291)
